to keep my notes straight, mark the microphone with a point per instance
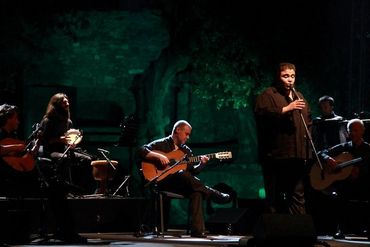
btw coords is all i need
(103, 150)
(294, 92)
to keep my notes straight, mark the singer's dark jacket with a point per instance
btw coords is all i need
(281, 135)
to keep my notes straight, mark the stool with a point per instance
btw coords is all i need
(102, 172)
(168, 194)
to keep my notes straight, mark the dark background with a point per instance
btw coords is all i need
(133, 67)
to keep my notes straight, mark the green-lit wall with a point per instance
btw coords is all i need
(203, 61)
(95, 57)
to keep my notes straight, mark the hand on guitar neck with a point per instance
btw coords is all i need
(177, 160)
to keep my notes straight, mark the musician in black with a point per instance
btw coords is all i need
(18, 182)
(60, 147)
(328, 129)
(59, 143)
(15, 180)
(355, 188)
(182, 182)
(281, 114)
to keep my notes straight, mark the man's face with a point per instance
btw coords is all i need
(13, 122)
(183, 134)
(356, 132)
(287, 77)
(326, 108)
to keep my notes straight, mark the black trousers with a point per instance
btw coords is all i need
(184, 183)
(284, 185)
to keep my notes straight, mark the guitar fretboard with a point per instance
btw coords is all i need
(194, 159)
(348, 163)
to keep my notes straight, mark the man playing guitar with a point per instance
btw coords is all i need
(17, 176)
(182, 181)
(355, 186)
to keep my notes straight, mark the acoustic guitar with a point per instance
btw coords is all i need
(24, 161)
(178, 161)
(322, 179)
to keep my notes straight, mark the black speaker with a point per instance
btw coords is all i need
(285, 229)
(227, 221)
(107, 215)
(15, 227)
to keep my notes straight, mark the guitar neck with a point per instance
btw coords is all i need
(194, 159)
(349, 163)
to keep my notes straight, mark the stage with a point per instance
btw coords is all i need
(178, 238)
(115, 221)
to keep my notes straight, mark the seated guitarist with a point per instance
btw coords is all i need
(183, 181)
(355, 186)
(15, 181)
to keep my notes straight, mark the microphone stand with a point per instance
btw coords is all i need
(309, 136)
(102, 152)
(107, 159)
(120, 186)
(69, 146)
(314, 150)
(30, 138)
(59, 161)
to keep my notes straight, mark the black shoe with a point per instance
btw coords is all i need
(219, 197)
(198, 235)
(339, 235)
(72, 238)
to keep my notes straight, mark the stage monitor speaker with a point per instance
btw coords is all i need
(227, 221)
(285, 229)
(15, 227)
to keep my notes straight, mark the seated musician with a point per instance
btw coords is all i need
(328, 128)
(23, 180)
(60, 147)
(183, 181)
(355, 187)
(17, 175)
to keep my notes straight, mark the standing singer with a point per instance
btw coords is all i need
(282, 139)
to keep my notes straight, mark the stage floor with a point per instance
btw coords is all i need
(178, 238)
(113, 222)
